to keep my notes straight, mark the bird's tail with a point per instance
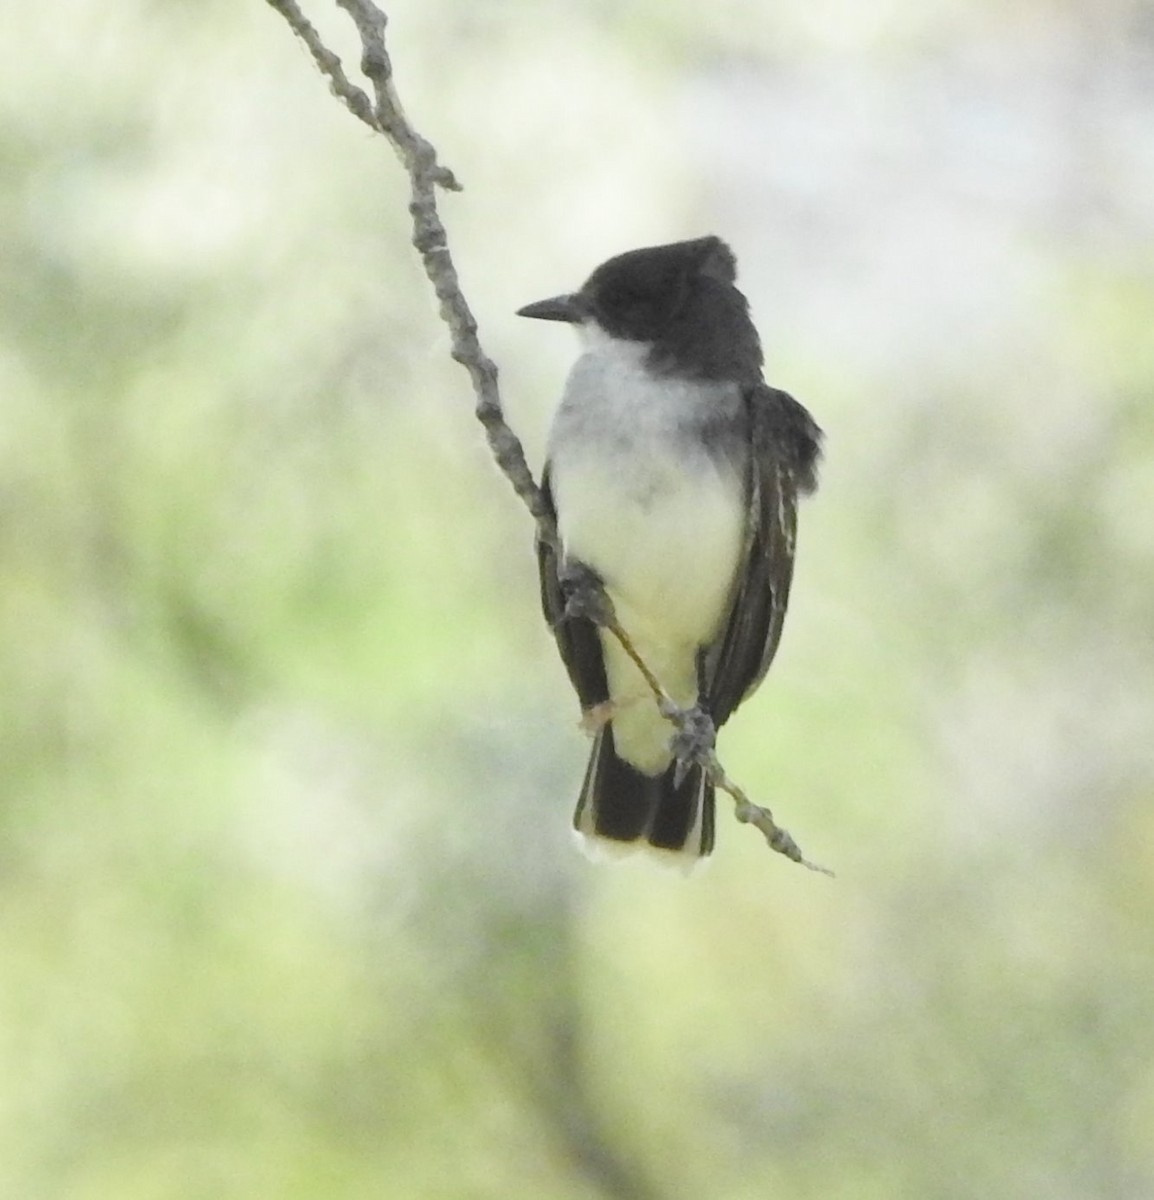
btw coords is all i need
(629, 810)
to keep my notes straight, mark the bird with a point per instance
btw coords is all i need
(673, 473)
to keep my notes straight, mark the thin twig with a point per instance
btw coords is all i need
(748, 813)
(355, 100)
(426, 174)
(665, 701)
(745, 810)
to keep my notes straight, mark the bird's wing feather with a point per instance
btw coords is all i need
(577, 638)
(784, 446)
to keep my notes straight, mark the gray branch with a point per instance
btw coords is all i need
(419, 158)
(426, 175)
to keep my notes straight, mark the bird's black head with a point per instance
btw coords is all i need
(679, 299)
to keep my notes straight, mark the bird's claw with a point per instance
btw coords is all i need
(693, 743)
(585, 596)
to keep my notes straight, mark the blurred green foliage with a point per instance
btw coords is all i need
(288, 902)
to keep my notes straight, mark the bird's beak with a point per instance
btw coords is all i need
(557, 308)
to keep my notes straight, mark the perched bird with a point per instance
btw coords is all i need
(674, 472)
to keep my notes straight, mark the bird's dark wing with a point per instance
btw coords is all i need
(577, 638)
(784, 444)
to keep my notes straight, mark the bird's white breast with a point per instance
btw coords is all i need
(642, 500)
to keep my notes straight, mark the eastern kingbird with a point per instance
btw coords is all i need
(674, 472)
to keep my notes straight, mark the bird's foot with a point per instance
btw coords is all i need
(693, 743)
(585, 595)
